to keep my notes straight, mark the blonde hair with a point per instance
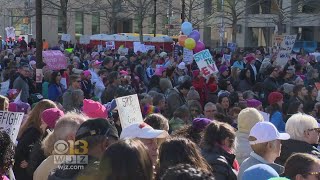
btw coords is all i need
(298, 124)
(66, 125)
(4, 103)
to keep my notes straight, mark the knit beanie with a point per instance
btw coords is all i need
(193, 94)
(253, 103)
(50, 116)
(19, 107)
(94, 109)
(274, 97)
(247, 118)
(287, 88)
(223, 68)
(200, 124)
(149, 109)
(259, 171)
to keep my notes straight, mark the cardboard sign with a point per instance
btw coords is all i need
(129, 110)
(10, 122)
(85, 39)
(110, 45)
(150, 47)
(285, 49)
(187, 56)
(11, 32)
(4, 88)
(54, 59)
(138, 46)
(66, 37)
(205, 63)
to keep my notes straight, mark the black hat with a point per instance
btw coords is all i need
(97, 127)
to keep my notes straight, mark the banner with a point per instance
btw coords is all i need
(4, 88)
(66, 37)
(285, 49)
(10, 122)
(85, 39)
(129, 110)
(54, 59)
(138, 46)
(11, 32)
(205, 63)
(187, 56)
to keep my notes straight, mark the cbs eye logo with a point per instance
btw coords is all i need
(70, 147)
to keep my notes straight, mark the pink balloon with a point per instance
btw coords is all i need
(199, 47)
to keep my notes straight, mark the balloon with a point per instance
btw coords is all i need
(181, 39)
(189, 43)
(186, 28)
(195, 35)
(199, 47)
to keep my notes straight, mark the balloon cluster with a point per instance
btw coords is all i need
(190, 38)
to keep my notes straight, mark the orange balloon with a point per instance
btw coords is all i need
(182, 39)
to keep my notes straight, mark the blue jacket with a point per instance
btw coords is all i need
(277, 120)
(55, 92)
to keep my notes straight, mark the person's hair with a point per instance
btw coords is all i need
(298, 123)
(34, 118)
(209, 104)
(66, 125)
(54, 76)
(158, 98)
(185, 84)
(145, 98)
(293, 107)
(154, 82)
(157, 121)
(181, 112)
(126, 160)
(4, 103)
(6, 153)
(273, 108)
(113, 76)
(299, 163)
(186, 172)
(178, 150)
(243, 75)
(234, 73)
(248, 95)
(47, 75)
(223, 84)
(215, 133)
(73, 78)
(165, 84)
(169, 71)
(102, 71)
(188, 131)
(196, 104)
(297, 89)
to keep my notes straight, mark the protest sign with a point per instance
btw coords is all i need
(266, 116)
(110, 45)
(232, 46)
(123, 51)
(226, 59)
(205, 63)
(18, 98)
(285, 49)
(39, 75)
(187, 56)
(66, 37)
(10, 122)
(150, 47)
(11, 32)
(4, 88)
(85, 39)
(54, 59)
(138, 46)
(177, 50)
(129, 110)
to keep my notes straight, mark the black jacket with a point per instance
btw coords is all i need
(221, 163)
(270, 85)
(293, 146)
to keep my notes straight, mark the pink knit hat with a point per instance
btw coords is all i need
(50, 116)
(94, 109)
(86, 73)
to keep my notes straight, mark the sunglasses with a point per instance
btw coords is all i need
(317, 174)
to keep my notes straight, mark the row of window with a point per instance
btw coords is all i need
(79, 23)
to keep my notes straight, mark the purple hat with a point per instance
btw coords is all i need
(253, 103)
(19, 107)
(223, 68)
(200, 123)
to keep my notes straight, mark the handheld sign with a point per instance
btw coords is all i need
(4, 88)
(10, 122)
(187, 56)
(110, 45)
(85, 39)
(285, 49)
(205, 63)
(66, 37)
(138, 46)
(129, 110)
(55, 60)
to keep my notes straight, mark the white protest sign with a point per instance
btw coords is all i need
(10, 122)
(266, 116)
(226, 59)
(66, 37)
(150, 47)
(11, 32)
(285, 49)
(205, 63)
(123, 51)
(138, 46)
(110, 45)
(187, 56)
(85, 39)
(129, 110)
(4, 88)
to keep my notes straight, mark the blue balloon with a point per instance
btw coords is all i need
(186, 28)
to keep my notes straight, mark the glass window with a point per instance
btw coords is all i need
(96, 23)
(79, 23)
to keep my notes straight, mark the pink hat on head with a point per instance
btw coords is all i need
(95, 63)
(123, 72)
(86, 73)
(250, 58)
(50, 116)
(94, 109)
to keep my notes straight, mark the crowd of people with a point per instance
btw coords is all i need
(252, 120)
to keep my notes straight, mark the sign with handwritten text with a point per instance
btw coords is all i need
(129, 110)
(205, 63)
(187, 56)
(54, 59)
(285, 49)
(10, 122)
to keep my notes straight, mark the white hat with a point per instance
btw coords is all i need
(266, 132)
(163, 54)
(142, 130)
(182, 65)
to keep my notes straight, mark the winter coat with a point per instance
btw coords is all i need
(243, 147)
(175, 100)
(277, 120)
(72, 99)
(21, 84)
(55, 92)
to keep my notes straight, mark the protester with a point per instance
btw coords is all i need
(21, 83)
(55, 89)
(73, 97)
(275, 100)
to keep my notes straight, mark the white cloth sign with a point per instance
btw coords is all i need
(66, 37)
(85, 39)
(11, 32)
(129, 110)
(187, 56)
(4, 88)
(10, 122)
(205, 63)
(138, 46)
(110, 45)
(285, 49)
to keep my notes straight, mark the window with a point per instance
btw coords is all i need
(96, 23)
(79, 23)
(60, 21)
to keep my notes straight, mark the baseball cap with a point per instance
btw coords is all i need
(96, 127)
(142, 130)
(96, 63)
(266, 132)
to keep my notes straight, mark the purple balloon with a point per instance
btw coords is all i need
(199, 47)
(195, 35)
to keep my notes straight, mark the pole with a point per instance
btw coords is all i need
(222, 24)
(155, 18)
(183, 13)
(39, 34)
